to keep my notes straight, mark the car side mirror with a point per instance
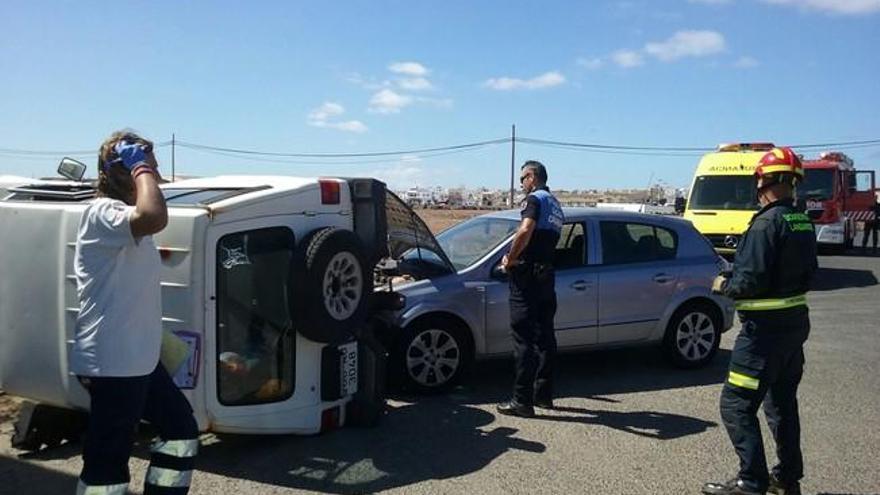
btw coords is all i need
(72, 169)
(498, 273)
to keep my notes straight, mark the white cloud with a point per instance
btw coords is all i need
(746, 62)
(436, 102)
(415, 84)
(850, 7)
(321, 117)
(627, 58)
(413, 69)
(406, 173)
(327, 110)
(590, 63)
(687, 44)
(546, 80)
(388, 101)
(401, 90)
(371, 83)
(349, 125)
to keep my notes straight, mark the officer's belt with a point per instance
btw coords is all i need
(536, 266)
(771, 304)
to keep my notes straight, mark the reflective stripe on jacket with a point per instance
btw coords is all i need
(771, 304)
(775, 261)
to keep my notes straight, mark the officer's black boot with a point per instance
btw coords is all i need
(514, 408)
(779, 488)
(732, 487)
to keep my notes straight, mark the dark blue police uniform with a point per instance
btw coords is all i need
(772, 271)
(533, 302)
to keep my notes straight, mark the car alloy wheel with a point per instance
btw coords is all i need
(433, 357)
(695, 336)
(342, 285)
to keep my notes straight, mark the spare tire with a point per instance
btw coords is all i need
(331, 286)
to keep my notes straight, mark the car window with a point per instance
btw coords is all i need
(255, 338)
(571, 249)
(472, 239)
(630, 242)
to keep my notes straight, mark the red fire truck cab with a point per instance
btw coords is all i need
(838, 197)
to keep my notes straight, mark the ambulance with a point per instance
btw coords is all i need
(723, 198)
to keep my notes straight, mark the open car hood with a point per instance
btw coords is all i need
(407, 231)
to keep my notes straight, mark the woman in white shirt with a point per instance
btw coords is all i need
(119, 328)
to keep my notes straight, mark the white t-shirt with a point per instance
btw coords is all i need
(119, 328)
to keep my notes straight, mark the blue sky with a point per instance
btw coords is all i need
(363, 76)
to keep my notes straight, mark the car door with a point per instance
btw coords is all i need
(576, 295)
(637, 278)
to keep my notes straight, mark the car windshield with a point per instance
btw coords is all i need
(469, 241)
(724, 192)
(818, 184)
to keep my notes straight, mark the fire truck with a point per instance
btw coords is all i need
(838, 198)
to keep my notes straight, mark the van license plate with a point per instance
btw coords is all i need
(348, 368)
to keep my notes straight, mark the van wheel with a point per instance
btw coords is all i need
(693, 335)
(332, 284)
(432, 355)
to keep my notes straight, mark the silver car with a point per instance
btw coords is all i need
(622, 279)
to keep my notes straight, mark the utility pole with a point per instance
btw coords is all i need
(172, 156)
(512, 160)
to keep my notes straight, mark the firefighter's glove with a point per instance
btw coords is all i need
(131, 155)
(718, 284)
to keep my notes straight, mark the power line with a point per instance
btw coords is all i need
(611, 151)
(435, 151)
(403, 158)
(594, 146)
(845, 144)
(342, 155)
(92, 152)
(649, 150)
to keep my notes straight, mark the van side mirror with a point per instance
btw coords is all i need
(72, 169)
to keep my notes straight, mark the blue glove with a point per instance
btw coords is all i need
(130, 155)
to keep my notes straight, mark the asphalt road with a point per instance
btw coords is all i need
(628, 424)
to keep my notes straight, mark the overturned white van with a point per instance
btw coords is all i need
(268, 280)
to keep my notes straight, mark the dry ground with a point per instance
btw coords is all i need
(8, 408)
(440, 220)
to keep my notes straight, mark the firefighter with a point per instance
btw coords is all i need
(872, 226)
(116, 348)
(771, 275)
(533, 294)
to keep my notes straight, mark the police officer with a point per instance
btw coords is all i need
(771, 274)
(533, 294)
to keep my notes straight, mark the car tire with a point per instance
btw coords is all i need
(693, 335)
(432, 355)
(332, 284)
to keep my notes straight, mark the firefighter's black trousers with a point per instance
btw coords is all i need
(871, 228)
(767, 363)
(532, 308)
(117, 406)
